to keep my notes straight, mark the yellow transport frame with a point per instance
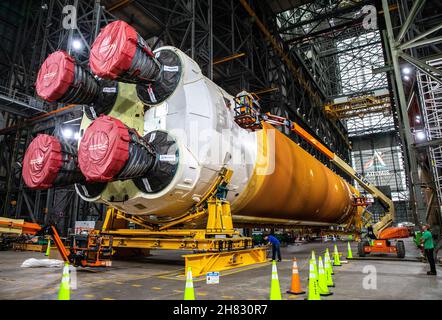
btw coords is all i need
(219, 245)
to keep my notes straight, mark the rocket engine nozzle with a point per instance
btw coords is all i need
(61, 79)
(109, 151)
(48, 162)
(120, 53)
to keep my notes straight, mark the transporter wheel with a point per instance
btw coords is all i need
(400, 248)
(361, 246)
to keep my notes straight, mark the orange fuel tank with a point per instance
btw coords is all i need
(299, 186)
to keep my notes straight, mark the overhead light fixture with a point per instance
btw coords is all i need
(406, 70)
(406, 78)
(418, 119)
(420, 135)
(76, 44)
(67, 133)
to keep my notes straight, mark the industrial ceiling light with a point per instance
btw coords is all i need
(406, 78)
(77, 45)
(420, 135)
(67, 133)
(406, 70)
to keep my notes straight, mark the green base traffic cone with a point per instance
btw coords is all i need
(327, 254)
(275, 290)
(336, 260)
(328, 271)
(64, 291)
(349, 253)
(322, 281)
(313, 290)
(48, 248)
(189, 292)
(315, 266)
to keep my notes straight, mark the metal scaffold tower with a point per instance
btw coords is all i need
(431, 101)
(31, 31)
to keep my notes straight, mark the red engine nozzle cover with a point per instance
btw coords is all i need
(113, 50)
(42, 162)
(55, 76)
(104, 149)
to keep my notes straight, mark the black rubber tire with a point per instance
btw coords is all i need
(361, 251)
(400, 248)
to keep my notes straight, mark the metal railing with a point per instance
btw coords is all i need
(431, 101)
(24, 100)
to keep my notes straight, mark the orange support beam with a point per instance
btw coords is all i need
(266, 90)
(45, 115)
(310, 139)
(118, 5)
(229, 58)
(59, 244)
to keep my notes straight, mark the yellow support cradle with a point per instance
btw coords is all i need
(221, 246)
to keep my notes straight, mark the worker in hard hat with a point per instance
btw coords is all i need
(427, 241)
(276, 246)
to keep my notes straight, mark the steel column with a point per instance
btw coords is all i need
(415, 188)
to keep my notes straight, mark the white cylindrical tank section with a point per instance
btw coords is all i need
(198, 115)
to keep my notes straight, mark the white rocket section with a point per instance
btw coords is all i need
(199, 115)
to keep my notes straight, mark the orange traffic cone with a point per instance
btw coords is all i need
(296, 282)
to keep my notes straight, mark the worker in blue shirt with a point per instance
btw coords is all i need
(276, 246)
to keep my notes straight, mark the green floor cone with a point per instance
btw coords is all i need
(328, 271)
(315, 264)
(315, 268)
(349, 253)
(64, 291)
(275, 290)
(336, 260)
(327, 254)
(322, 281)
(48, 248)
(189, 292)
(313, 291)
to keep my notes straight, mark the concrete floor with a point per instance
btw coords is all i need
(160, 277)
